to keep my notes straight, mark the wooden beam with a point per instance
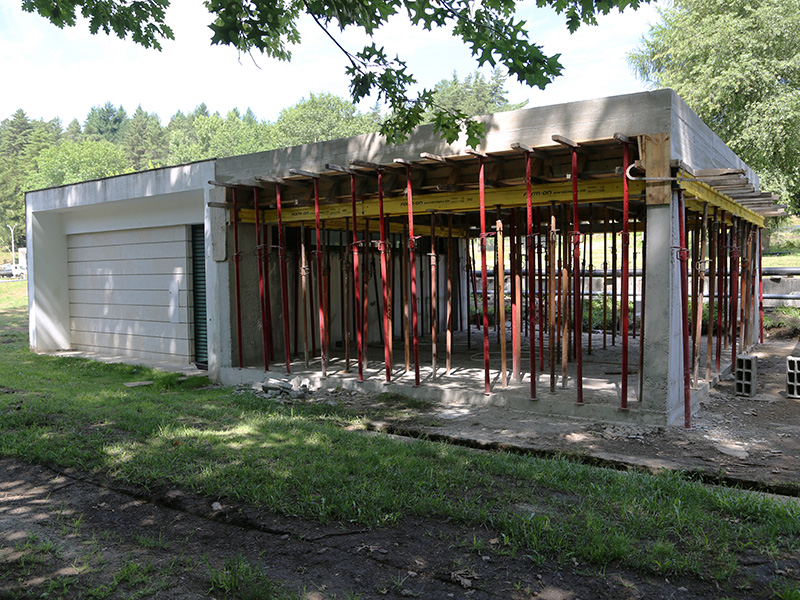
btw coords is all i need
(290, 182)
(655, 156)
(705, 193)
(310, 174)
(608, 190)
(229, 184)
(341, 169)
(564, 141)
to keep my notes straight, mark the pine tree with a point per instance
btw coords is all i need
(106, 122)
(145, 142)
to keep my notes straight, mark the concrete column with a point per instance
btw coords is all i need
(662, 362)
(217, 285)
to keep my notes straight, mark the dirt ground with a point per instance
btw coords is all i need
(65, 536)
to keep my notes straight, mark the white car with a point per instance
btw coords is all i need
(9, 270)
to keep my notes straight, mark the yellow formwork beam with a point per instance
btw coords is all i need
(423, 230)
(705, 193)
(599, 190)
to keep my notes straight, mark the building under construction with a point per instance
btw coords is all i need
(597, 259)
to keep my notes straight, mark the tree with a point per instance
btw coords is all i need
(215, 137)
(106, 122)
(737, 64)
(472, 96)
(490, 28)
(21, 142)
(182, 137)
(145, 141)
(71, 162)
(322, 117)
(14, 133)
(73, 133)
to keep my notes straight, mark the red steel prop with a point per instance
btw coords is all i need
(633, 282)
(539, 252)
(683, 257)
(625, 246)
(713, 234)
(357, 282)
(267, 300)
(532, 276)
(345, 261)
(577, 314)
(237, 257)
(434, 298)
(516, 330)
(365, 289)
(412, 262)
(591, 282)
(760, 290)
(296, 297)
(734, 315)
(484, 278)
(323, 339)
(449, 315)
(721, 263)
(265, 325)
(387, 347)
(284, 284)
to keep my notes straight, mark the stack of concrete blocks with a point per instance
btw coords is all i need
(793, 376)
(745, 374)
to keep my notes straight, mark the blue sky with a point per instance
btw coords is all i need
(50, 72)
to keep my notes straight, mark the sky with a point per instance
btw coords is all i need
(49, 72)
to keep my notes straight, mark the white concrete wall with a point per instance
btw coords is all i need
(48, 289)
(108, 223)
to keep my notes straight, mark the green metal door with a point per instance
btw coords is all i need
(199, 297)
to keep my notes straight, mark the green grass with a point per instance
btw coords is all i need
(306, 461)
(13, 295)
(240, 580)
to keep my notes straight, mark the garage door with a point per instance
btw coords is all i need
(129, 293)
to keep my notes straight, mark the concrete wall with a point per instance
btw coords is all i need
(693, 142)
(87, 215)
(250, 299)
(632, 114)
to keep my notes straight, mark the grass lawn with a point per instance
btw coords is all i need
(310, 461)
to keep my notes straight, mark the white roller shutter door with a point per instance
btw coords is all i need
(129, 293)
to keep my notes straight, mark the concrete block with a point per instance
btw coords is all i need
(746, 375)
(793, 376)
